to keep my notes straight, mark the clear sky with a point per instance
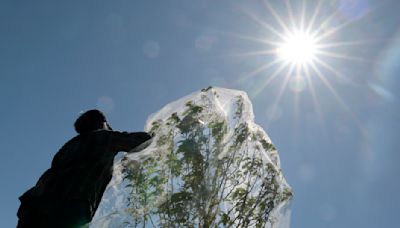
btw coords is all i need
(335, 120)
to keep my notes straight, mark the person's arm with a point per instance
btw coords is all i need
(124, 141)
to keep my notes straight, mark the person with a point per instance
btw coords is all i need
(68, 194)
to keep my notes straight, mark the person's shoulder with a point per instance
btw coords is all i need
(107, 133)
(100, 132)
(72, 141)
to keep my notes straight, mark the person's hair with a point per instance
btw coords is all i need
(90, 121)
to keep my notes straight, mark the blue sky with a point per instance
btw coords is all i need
(336, 133)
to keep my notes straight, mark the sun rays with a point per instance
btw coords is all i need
(298, 45)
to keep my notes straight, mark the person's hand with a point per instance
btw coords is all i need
(143, 136)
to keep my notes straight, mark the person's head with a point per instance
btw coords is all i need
(90, 121)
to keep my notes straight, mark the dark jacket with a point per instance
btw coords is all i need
(81, 170)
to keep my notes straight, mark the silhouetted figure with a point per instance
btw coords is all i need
(68, 194)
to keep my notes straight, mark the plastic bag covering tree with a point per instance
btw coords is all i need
(209, 165)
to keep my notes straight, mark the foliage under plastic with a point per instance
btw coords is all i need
(209, 165)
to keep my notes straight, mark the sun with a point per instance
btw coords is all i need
(300, 45)
(299, 48)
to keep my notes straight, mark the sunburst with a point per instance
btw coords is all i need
(300, 48)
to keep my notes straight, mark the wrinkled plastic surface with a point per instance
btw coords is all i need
(209, 165)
